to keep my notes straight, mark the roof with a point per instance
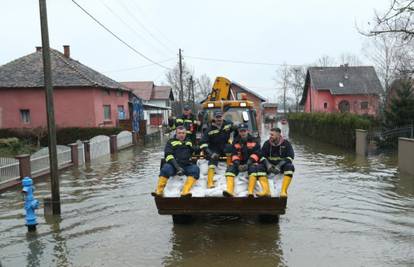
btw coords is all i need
(147, 90)
(27, 71)
(248, 90)
(269, 105)
(343, 80)
(141, 89)
(162, 92)
(154, 107)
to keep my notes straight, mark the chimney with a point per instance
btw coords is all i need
(66, 51)
(38, 48)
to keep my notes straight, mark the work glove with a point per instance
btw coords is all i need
(277, 169)
(214, 156)
(178, 168)
(243, 168)
(268, 165)
(250, 162)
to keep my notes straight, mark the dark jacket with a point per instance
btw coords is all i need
(215, 139)
(245, 149)
(277, 152)
(189, 123)
(181, 151)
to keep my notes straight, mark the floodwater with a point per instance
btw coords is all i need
(342, 211)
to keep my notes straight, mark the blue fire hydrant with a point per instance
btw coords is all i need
(30, 204)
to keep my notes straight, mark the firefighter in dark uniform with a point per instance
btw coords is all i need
(277, 155)
(188, 120)
(178, 152)
(246, 156)
(215, 143)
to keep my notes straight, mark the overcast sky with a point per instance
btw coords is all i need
(272, 31)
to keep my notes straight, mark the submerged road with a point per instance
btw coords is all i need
(342, 211)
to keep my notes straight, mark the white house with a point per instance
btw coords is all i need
(156, 100)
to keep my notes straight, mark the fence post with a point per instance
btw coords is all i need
(87, 150)
(24, 165)
(361, 142)
(134, 138)
(406, 155)
(74, 154)
(113, 144)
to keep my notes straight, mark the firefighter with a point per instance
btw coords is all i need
(178, 152)
(188, 120)
(215, 143)
(277, 155)
(246, 156)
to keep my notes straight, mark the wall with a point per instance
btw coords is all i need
(74, 107)
(101, 98)
(316, 98)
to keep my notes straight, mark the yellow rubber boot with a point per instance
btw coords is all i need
(264, 182)
(162, 182)
(285, 185)
(230, 187)
(187, 186)
(252, 184)
(210, 176)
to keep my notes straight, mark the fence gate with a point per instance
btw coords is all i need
(124, 139)
(99, 146)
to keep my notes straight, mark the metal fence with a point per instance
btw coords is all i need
(124, 139)
(39, 161)
(99, 146)
(9, 169)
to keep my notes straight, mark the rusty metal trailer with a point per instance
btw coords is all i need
(184, 209)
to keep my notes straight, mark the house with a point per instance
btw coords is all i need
(238, 89)
(156, 100)
(269, 112)
(83, 97)
(354, 89)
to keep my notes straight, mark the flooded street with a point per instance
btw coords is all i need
(342, 211)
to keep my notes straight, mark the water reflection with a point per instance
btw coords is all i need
(225, 243)
(36, 247)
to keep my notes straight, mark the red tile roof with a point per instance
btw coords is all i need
(141, 89)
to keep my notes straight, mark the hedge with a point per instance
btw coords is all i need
(335, 128)
(64, 136)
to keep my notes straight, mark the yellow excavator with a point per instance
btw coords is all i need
(235, 107)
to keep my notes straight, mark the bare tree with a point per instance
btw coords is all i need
(298, 75)
(203, 88)
(325, 61)
(173, 79)
(397, 19)
(350, 59)
(283, 79)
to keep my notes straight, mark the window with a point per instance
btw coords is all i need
(107, 92)
(364, 105)
(119, 93)
(107, 112)
(121, 113)
(325, 105)
(25, 115)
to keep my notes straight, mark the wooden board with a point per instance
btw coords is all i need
(221, 205)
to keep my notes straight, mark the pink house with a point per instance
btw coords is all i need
(342, 89)
(83, 97)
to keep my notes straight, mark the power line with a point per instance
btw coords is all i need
(117, 37)
(124, 22)
(244, 62)
(143, 26)
(143, 13)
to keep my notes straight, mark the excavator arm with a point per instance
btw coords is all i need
(220, 90)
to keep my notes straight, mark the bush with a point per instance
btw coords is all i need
(64, 136)
(334, 128)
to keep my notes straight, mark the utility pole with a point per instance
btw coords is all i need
(192, 92)
(181, 81)
(47, 71)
